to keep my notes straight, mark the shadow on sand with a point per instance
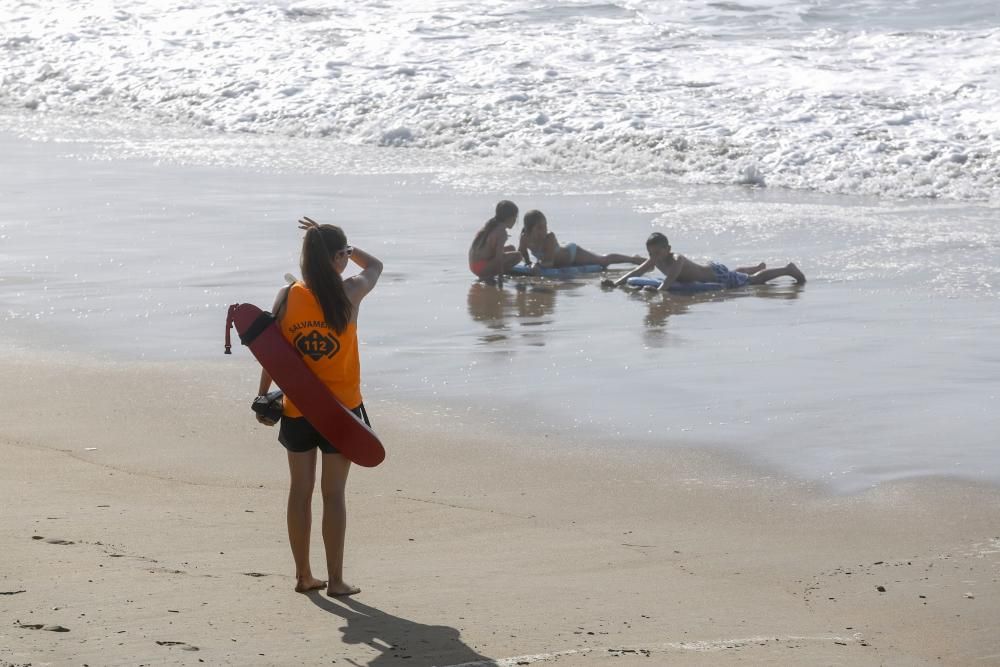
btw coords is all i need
(399, 641)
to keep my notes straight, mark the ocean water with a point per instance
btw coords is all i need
(866, 97)
(154, 157)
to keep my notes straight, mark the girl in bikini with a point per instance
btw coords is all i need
(544, 245)
(489, 255)
(326, 305)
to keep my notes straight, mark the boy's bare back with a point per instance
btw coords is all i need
(685, 270)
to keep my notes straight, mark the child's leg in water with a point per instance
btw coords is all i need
(770, 274)
(501, 265)
(584, 257)
(750, 270)
(511, 259)
(618, 258)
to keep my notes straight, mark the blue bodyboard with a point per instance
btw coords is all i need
(679, 288)
(564, 272)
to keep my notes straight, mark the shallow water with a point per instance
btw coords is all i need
(880, 367)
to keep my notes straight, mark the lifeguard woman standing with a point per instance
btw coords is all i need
(319, 316)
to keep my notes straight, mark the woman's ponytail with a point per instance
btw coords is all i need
(319, 248)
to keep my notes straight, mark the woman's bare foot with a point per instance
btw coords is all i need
(340, 588)
(794, 272)
(310, 583)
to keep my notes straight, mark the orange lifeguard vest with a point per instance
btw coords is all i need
(331, 356)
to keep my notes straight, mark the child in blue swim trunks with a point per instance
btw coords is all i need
(680, 269)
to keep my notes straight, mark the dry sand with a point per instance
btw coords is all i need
(143, 523)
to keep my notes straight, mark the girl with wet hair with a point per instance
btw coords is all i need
(489, 254)
(543, 244)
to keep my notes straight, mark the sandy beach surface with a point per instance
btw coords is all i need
(143, 523)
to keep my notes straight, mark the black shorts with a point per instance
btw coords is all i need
(298, 435)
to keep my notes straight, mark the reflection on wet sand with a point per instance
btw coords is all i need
(528, 302)
(525, 308)
(487, 304)
(660, 307)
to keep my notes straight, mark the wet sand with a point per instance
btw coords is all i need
(880, 368)
(143, 522)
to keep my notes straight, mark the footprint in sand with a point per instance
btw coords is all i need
(184, 645)
(52, 540)
(41, 626)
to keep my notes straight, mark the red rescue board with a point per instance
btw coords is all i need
(259, 331)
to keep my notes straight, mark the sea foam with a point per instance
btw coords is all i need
(858, 98)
